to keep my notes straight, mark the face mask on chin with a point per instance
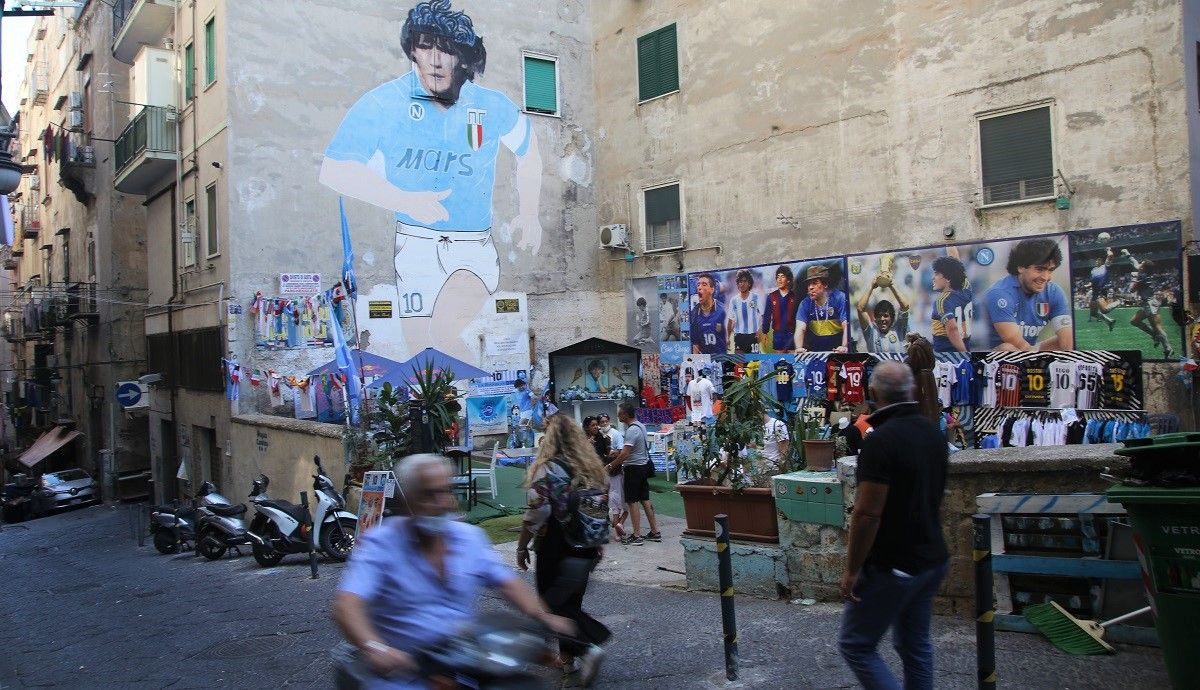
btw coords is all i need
(435, 525)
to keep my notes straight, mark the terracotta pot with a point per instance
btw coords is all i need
(818, 455)
(751, 511)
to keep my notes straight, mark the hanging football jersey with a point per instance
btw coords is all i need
(1035, 390)
(1062, 384)
(854, 374)
(1088, 382)
(1118, 381)
(1009, 380)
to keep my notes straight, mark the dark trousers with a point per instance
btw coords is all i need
(562, 577)
(904, 604)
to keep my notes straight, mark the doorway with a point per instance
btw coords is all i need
(168, 465)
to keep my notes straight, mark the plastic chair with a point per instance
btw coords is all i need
(489, 473)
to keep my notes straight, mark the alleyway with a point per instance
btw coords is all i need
(83, 606)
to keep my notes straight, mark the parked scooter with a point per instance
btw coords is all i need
(281, 527)
(220, 528)
(173, 525)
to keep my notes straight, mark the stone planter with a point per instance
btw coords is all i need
(751, 511)
(818, 455)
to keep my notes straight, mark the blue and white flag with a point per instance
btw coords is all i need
(348, 280)
(345, 363)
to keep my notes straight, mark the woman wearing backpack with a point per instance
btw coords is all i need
(568, 512)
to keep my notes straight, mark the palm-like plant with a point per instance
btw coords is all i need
(739, 425)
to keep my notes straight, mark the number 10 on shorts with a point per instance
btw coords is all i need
(413, 302)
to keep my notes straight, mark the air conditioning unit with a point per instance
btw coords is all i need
(614, 236)
(76, 100)
(35, 182)
(75, 121)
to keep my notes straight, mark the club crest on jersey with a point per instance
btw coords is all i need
(1043, 309)
(475, 127)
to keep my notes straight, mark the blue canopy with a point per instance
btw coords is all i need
(372, 366)
(402, 375)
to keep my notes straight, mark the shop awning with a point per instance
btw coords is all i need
(46, 444)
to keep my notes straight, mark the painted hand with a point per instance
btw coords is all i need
(530, 229)
(425, 207)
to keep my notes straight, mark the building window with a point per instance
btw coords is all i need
(658, 63)
(210, 51)
(1017, 157)
(189, 72)
(664, 224)
(66, 254)
(211, 243)
(189, 359)
(541, 84)
(91, 258)
(187, 233)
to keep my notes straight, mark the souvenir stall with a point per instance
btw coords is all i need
(594, 376)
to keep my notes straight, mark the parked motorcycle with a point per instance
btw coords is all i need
(497, 651)
(220, 528)
(281, 527)
(173, 525)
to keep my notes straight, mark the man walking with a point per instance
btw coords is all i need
(897, 555)
(634, 462)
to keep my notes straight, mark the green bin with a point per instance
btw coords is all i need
(1167, 523)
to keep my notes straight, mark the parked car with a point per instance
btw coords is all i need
(65, 488)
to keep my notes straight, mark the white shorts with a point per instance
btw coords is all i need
(1151, 306)
(426, 258)
(616, 495)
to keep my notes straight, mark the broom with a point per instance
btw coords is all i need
(1070, 634)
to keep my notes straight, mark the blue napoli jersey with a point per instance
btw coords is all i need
(964, 382)
(814, 377)
(414, 143)
(952, 304)
(1006, 302)
(708, 330)
(1099, 278)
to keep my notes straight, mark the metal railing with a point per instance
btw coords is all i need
(152, 129)
(121, 11)
(81, 300)
(1035, 188)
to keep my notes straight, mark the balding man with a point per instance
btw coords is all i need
(897, 555)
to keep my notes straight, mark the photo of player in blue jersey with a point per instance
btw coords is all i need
(1026, 302)
(707, 319)
(425, 146)
(822, 319)
(952, 309)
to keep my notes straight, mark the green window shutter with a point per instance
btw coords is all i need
(189, 72)
(541, 92)
(662, 204)
(1016, 155)
(210, 51)
(658, 63)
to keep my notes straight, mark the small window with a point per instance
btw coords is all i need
(658, 63)
(188, 232)
(189, 72)
(664, 225)
(210, 51)
(211, 242)
(1016, 156)
(541, 85)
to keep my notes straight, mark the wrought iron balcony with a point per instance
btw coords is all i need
(147, 150)
(81, 302)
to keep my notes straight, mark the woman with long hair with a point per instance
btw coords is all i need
(616, 490)
(566, 461)
(921, 360)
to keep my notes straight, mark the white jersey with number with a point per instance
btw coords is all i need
(1062, 384)
(990, 370)
(1088, 381)
(943, 374)
(701, 393)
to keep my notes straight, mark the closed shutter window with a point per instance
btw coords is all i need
(664, 227)
(1017, 156)
(541, 85)
(210, 51)
(189, 72)
(658, 63)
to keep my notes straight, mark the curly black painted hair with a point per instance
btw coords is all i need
(1034, 251)
(952, 270)
(449, 31)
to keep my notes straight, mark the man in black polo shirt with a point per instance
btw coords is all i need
(897, 555)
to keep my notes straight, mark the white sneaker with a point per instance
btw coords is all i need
(589, 665)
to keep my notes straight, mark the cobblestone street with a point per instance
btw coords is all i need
(85, 607)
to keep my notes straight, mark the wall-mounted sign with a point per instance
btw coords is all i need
(508, 306)
(299, 284)
(379, 309)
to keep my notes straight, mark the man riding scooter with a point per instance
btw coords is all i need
(416, 577)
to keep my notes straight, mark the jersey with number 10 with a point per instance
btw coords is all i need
(708, 330)
(1036, 389)
(1062, 384)
(814, 378)
(1009, 378)
(784, 374)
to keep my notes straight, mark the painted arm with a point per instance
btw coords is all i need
(1010, 335)
(864, 317)
(353, 179)
(954, 335)
(801, 327)
(529, 196)
(901, 303)
(1063, 339)
(864, 525)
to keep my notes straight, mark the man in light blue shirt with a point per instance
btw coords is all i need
(1022, 304)
(425, 146)
(413, 580)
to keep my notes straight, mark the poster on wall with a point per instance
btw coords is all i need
(1127, 282)
(1003, 295)
(296, 322)
(489, 414)
(769, 308)
(672, 317)
(591, 377)
(642, 314)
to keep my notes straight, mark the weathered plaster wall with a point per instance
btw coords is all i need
(283, 449)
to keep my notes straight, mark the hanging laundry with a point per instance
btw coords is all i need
(305, 400)
(255, 378)
(274, 385)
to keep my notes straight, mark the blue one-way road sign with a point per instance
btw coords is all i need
(129, 393)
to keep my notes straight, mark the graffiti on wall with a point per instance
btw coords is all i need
(425, 146)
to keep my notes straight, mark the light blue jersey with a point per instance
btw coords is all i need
(418, 145)
(1007, 302)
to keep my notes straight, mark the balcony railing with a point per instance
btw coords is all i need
(121, 10)
(151, 130)
(138, 23)
(31, 220)
(81, 302)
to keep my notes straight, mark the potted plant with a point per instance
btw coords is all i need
(719, 467)
(812, 452)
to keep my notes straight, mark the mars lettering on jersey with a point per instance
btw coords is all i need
(437, 161)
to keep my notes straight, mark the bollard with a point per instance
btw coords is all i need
(312, 553)
(985, 604)
(725, 575)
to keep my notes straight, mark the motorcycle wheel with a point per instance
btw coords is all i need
(210, 546)
(337, 539)
(164, 541)
(266, 556)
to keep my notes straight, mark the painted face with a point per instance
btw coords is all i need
(743, 286)
(816, 289)
(705, 289)
(597, 372)
(940, 282)
(437, 69)
(883, 321)
(1034, 278)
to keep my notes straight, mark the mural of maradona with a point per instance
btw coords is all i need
(424, 145)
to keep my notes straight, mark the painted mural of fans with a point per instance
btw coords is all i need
(425, 146)
(952, 309)
(822, 320)
(707, 319)
(885, 325)
(1023, 304)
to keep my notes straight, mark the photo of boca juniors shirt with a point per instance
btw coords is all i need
(1009, 384)
(854, 376)
(785, 373)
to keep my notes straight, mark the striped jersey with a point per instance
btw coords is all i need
(1088, 383)
(746, 314)
(1009, 384)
